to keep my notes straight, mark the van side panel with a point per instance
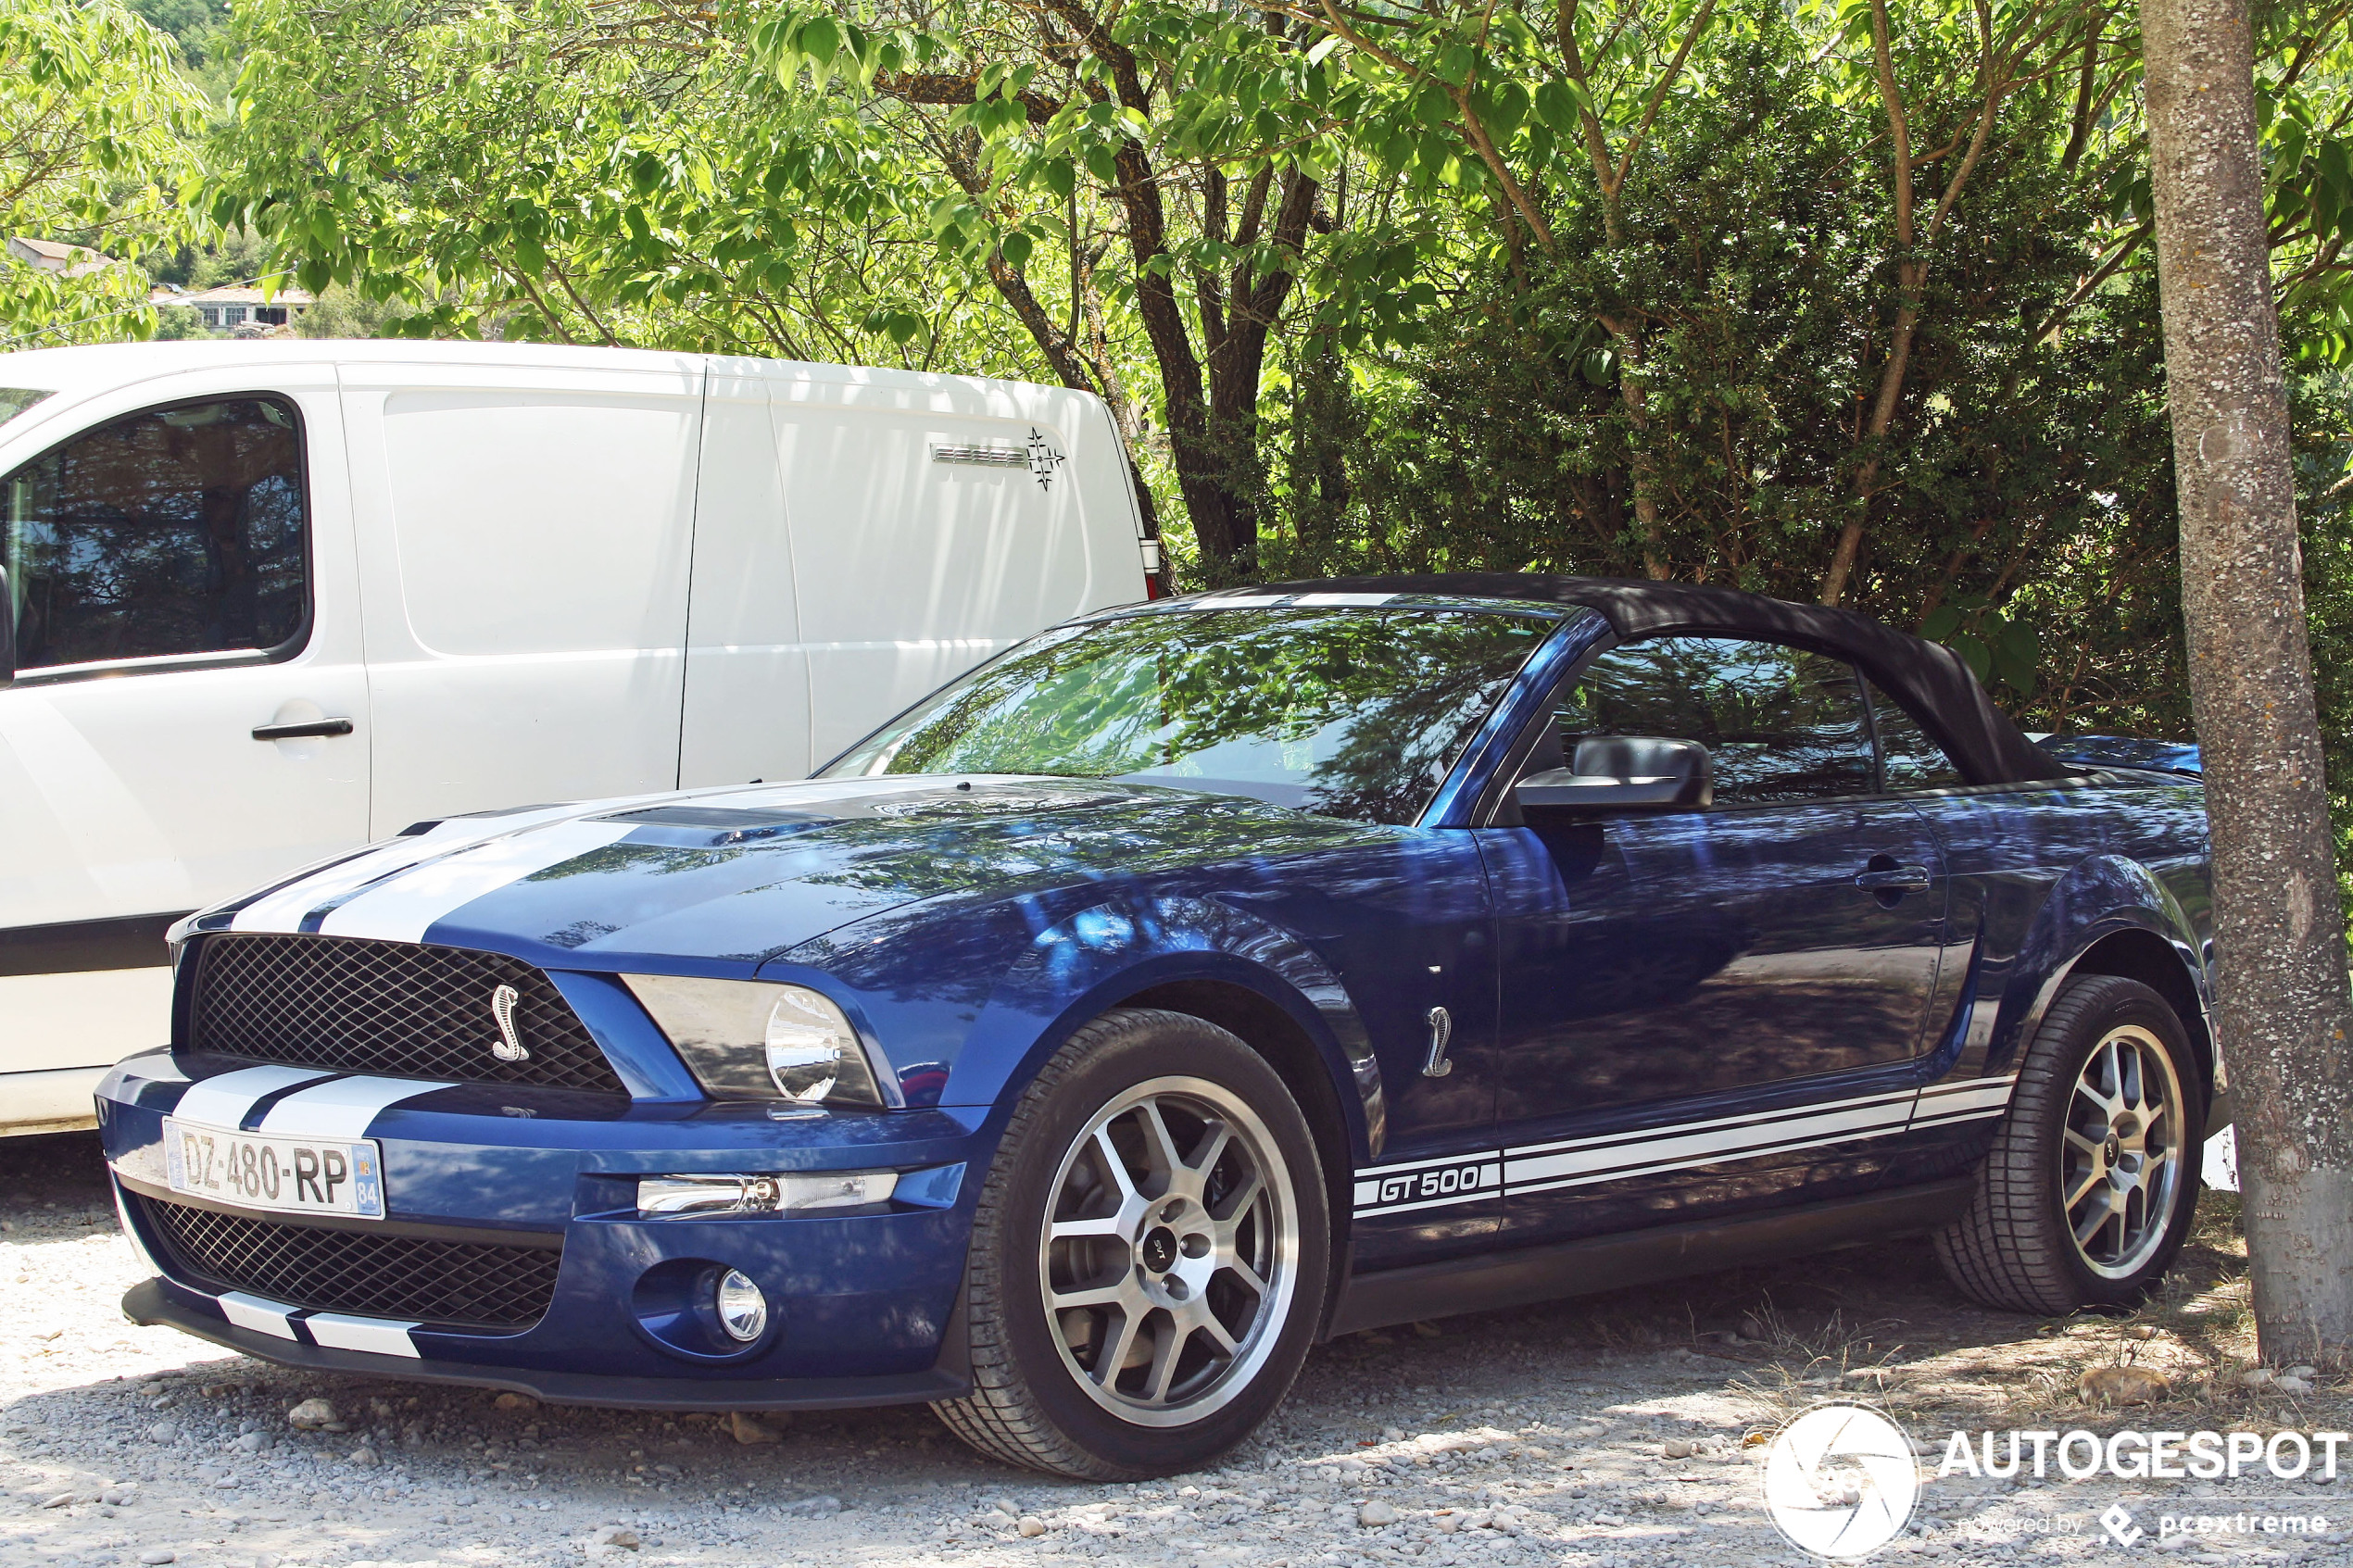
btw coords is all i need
(934, 525)
(746, 714)
(524, 551)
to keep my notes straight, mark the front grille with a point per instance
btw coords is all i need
(461, 1283)
(409, 1010)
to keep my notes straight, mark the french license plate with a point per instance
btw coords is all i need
(293, 1176)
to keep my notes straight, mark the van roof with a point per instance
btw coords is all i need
(89, 367)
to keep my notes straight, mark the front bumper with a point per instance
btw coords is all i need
(161, 1302)
(860, 1300)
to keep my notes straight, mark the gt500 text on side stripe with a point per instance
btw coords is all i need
(1463, 1178)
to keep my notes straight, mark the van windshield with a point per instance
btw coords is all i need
(1349, 712)
(15, 401)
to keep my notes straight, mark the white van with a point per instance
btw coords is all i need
(269, 600)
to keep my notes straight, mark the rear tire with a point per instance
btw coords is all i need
(1148, 1256)
(2090, 1188)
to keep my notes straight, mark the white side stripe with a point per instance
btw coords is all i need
(1706, 1148)
(1897, 1105)
(343, 1109)
(262, 1315)
(404, 907)
(380, 1337)
(1624, 1173)
(1438, 1181)
(223, 1102)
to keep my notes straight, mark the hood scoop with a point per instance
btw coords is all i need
(999, 800)
(714, 827)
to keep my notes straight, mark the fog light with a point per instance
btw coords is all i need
(743, 1311)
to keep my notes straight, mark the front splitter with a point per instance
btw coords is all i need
(148, 1305)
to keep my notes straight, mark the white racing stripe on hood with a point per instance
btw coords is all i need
(223, 1102)
(404, 907)
(283, 910)
(343, 1109)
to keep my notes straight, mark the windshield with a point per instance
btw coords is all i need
(1353, 712)
(15, 401)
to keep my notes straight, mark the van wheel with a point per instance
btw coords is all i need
(1149, 1257)
(2089, 1189)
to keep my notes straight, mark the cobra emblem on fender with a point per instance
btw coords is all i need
(509, 1047)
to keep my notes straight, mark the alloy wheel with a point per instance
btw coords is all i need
(2122, 1163)
(1168, 1255)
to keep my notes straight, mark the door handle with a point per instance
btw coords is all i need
(1913, 877)
(302, 731)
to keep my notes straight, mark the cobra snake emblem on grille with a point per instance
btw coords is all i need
(503, 1003)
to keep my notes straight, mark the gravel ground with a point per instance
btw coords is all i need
(1606, 1433)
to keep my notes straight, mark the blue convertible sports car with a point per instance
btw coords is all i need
(1193, 981)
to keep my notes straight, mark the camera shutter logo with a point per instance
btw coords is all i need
(510, 1045)
(1841, 1481)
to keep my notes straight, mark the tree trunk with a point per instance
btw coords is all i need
(2279, 938)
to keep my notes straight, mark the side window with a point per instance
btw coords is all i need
(174, 531)
(1780, 723)
(1912, 760)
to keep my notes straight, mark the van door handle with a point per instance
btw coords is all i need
(1894, 876)
(307, 728)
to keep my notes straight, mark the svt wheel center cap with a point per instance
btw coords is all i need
(1159, 1249)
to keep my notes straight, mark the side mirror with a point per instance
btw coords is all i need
(1622, 773)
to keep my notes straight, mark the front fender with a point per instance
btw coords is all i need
(1087, 964)
(968, 1002)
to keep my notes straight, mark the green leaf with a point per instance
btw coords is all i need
(1015, 249)
(1940, 623)
(1556, 105)
(1506, 109)
(821, 39)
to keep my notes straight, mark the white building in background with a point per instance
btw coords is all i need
(235, 305)
(51, 256)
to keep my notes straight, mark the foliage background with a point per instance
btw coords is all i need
(1851, 300)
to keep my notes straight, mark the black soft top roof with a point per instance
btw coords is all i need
(1929, 680)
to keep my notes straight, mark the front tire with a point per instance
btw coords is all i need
(2090, 1188)
(1148, 1258)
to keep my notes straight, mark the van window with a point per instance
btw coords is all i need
(171, 531)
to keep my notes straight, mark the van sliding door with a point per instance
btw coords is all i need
(524, 550)
(747, 671)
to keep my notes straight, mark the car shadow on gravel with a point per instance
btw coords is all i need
(1803, 1322)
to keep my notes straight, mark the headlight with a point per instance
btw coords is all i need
(794, 1192)
(746, 1040)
